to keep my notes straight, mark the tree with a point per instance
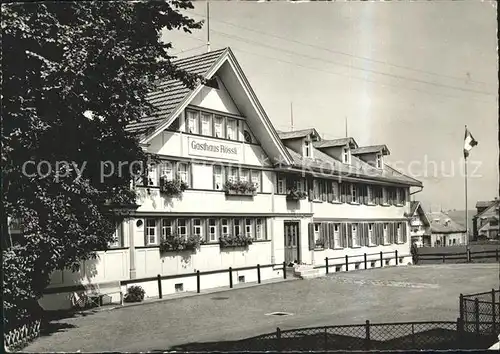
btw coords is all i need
(74, 75)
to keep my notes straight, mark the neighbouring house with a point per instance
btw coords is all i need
(485, 222)
(250, 194)
(445, 231)
(420, 230)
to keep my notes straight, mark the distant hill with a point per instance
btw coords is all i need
(459, 216)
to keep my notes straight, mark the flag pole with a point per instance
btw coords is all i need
(466, 210)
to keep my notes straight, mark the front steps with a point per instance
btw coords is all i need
(306, 271)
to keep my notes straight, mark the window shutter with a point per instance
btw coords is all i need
(329, 188)
(331, 232)
(404, 230)
(342, 192)
(349, 235)
(367, 234)
(394, 232)
(310, 187)
(311, 236)
(406, 194)
(361, 234)
(325, 235)
(348, 193)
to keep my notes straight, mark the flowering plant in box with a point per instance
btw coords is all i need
(240, 187)
(294, 194)
(172, 188)
(235, 241)
(180, 243)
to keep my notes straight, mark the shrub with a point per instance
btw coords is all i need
(240, 187)
(235, 241)
(172, 188)
(134, 294)
(294, 194)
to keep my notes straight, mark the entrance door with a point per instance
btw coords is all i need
(291, 242)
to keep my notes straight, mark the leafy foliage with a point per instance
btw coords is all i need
(75, 74)
(240, 187)
(172, 188)
(235, 241)
(134, 294)
(180, 243)
(294, 194)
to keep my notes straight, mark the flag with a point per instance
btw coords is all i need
(469, 142)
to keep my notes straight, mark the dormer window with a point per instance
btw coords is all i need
(379, 161)
(345, 155)
(307, 148)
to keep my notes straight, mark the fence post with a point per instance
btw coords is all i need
(326, 264)
(364, 258)
(278, 338)
(396, 254)
(460, 332)
(326, 339)
(494, 310)
(346, 263)
(198, 286)
(367, 339)
(258, 273)
(443, 258)
(461, 305)
(413, 336)
(160, 292)
(381, 259)
(469, 255)
(476, 312)
(230, 277)
(284, 270)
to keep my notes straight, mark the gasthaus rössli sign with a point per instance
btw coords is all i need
(215, 149)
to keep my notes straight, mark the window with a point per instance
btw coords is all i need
(152, 177)
(231, 132)
(384, 195)
(219, 127)
(354, 193)
(244, 175)
(449, 242)
(386, 234)
(399, 233)
(402, 196)
(335, 191)
(233, 174)
(345, 155)
(224, 227)
(355, 239)
(369, 194)
(300, 185)
(379, 161)
(317, 235)
(151, 232)
(336, 235)
(371, 235)
(323, 190)
(237, 227)
(256, 176)
(206, 124)
(307, 148)
(182, 227)
(183, 171)
(167, 228)
(281, 185)
(259, 229)
(198, 227)
(117, 241)
(167, 170)
(218, 178)
(192, 122)
(454, 241)
(212, 230)
(316, 193)
(249, 228)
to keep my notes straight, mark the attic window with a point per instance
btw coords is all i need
(213, 83)
(379, 161)
(345, 155)
(307, 149)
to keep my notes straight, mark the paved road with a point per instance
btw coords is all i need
(380, 295)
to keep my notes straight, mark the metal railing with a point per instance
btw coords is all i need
(356, 260)
(21, 334)
(480, 313)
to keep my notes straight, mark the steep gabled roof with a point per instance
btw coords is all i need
(371, 149)
(442, 223)
(484, 203)
(296, 134)
(171, 93)
(336, 142)
(491, 210)
(416, 206)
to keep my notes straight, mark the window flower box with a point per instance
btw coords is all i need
(172, 188)
(175, 243)
(235, 241)
(294, 194)
(240, 188)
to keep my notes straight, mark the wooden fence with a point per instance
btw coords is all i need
(452, 257)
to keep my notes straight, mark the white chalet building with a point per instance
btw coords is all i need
(314, 198)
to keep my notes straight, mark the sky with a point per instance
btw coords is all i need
(410, 75)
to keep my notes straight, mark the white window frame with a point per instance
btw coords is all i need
(218, 177)
(317, 233)
(379, 160)
(316, 190)
(281, 185)
(307, 148)
(180, 227)
(151, 232)
(233, 174)
(354, 234)
(244, 175)
(164, 228)
(183, 175)
(197, 229)
(371, 234)
(345, 155)
(233, 124)
(255, 176)
(354, 196)
(213, 230)
(249, 227)
(226, 226)
(208, 126)
(386, 233)
(369, 194)
(167, 170)
(219, 125)
(335, 191)
(385, 196)
(259, 229)
(399, 232)
(116, 235)
(193, 121)
(336, 235)
(238, 224)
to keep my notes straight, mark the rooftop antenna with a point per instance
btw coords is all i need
(208, 26)
(291, 115)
